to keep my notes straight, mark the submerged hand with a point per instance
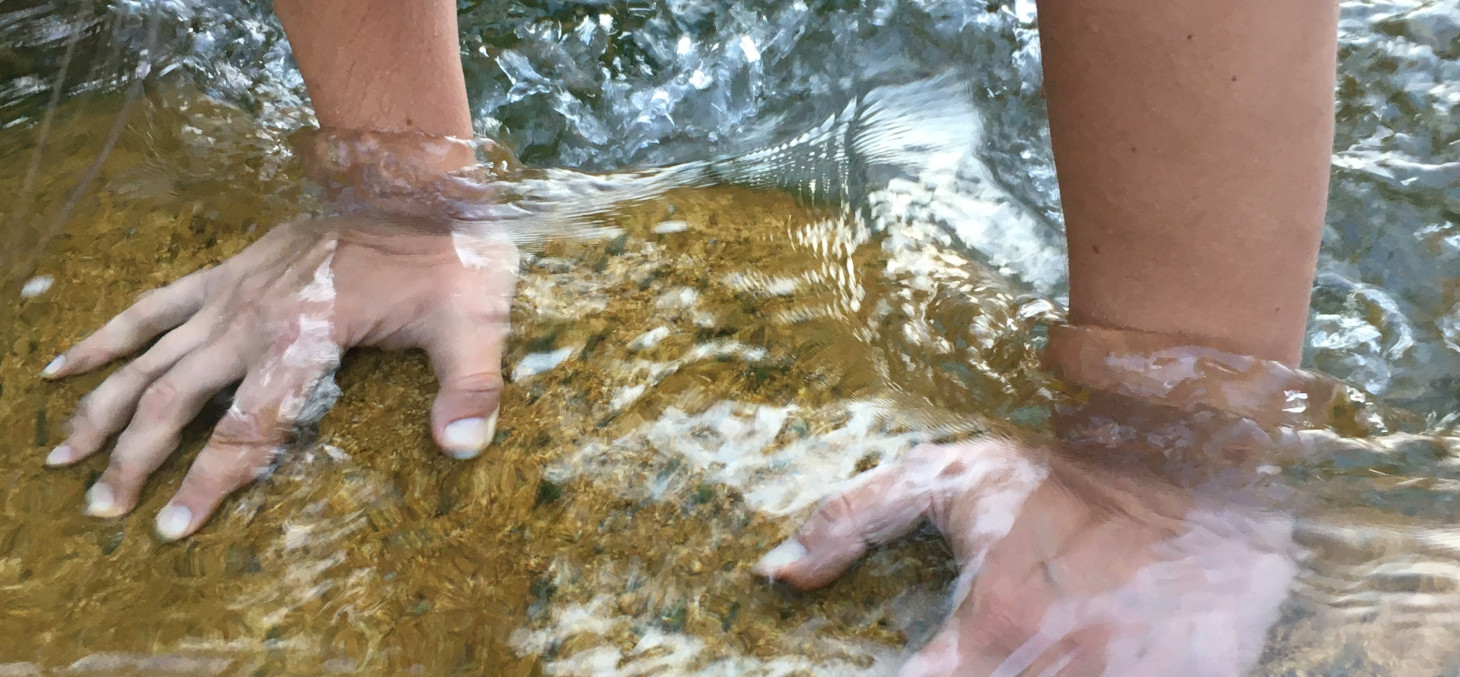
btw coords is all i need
(1064, 571)
(1076, 560)
(278, 316)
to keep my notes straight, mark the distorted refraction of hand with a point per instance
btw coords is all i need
(1151, 538)
(276, 319)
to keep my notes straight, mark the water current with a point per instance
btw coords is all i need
(766, 245)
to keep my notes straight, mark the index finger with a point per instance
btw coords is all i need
(890, 501)
(293, 384)
(155, 312)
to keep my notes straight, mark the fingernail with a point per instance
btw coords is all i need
(54, 367)
(61, 455)
(173, 522)
(467, 437)
(100, 502)
(780, 557)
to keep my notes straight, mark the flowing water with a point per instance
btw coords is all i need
(856, 247)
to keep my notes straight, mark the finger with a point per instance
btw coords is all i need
(974, 639)
(1008, 630)
(884, 504)
(466, 353)
(154, 312)
(876, 507)
(105, 410)
(942, 657)
(992, 635)
(163, 409)
(271, 399)
(955, 652)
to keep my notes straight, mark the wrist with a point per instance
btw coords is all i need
(400, 174)
(1174, 371)
(1188, 413)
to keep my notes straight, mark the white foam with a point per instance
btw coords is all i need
(533, 364)
(649, 339)
(36, 286)
(666, 227)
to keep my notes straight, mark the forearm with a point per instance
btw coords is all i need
(1192, 141)
(380, 65)
(380, 73)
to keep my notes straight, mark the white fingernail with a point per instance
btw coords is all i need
(61, 455)
(173, 522)
(54, 367)
(469, 436)
(779, 558)
(100, 502)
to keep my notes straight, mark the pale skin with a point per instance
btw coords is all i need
(393, 287)
(1192, 141)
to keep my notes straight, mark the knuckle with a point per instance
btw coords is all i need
(246, 434)
(125, 470)
(477, 384)
(85, 410)
(148, 365)
(159, 400)
(90, 413)
(115, 335)
(134, 316)
(227, 465)
(214, 478)
(834, 514)
(236, 432)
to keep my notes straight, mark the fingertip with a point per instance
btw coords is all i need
(174, 522)
(61, 455)
(797, 565)
(101, 501)
(54, 367)
(205, 488)
(775, 564)
(466, 438)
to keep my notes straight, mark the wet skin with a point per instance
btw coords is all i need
(1151, 538)
(278, 317)
(1064, 570)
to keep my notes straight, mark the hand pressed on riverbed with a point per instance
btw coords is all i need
(1150, 541)
(1064, 570)
(277, 317)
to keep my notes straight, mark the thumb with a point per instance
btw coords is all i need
(887, 502)
(873, 508)
(467, 358)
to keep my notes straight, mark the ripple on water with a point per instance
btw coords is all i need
(693, 379)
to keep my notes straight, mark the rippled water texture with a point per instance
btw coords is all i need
(856, 245)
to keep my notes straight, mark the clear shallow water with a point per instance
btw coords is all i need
(694, 386)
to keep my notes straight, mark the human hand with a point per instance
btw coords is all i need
(1064, 570)
(278, 316)
(1075, 561)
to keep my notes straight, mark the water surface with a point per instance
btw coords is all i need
(686, 381)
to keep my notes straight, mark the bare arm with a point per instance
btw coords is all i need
(1192, 140)
(277, 317)
(381, 65)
